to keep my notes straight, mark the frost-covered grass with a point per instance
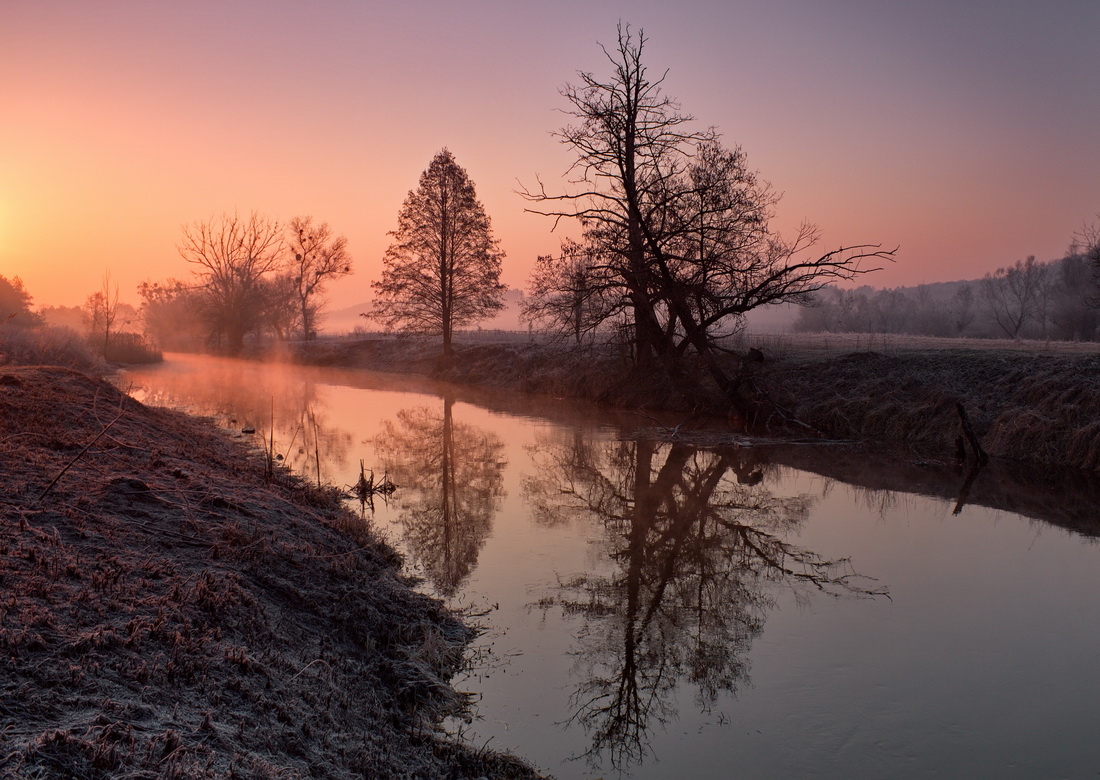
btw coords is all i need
(171, 609)
(1030, 401)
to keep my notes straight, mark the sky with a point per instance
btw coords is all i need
(966, 133)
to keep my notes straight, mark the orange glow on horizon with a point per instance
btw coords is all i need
(124, 123)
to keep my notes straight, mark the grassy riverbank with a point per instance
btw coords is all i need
(1040, 408)
(167, 611)
(1034, 402)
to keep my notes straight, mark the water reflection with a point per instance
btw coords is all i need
(660, 564)
(305, 437)
(1066, 498)
(450, 479)
(698, 546)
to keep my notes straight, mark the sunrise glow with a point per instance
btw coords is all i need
(966, 139)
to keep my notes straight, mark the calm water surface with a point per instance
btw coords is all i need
(660, 610)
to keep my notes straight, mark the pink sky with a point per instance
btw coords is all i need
(967, 134)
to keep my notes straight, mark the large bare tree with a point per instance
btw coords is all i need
(318, 258)
(232, 256)
(442, 270)
(679, 220)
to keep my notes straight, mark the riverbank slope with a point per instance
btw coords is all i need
(169, 611)
(1037, 405)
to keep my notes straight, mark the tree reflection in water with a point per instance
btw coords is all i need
(451, 481)
(697, 547)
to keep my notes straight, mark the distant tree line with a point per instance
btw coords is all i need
(252, 278)
(1030, 299)
(70, 335)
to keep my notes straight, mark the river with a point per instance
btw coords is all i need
(655, 608)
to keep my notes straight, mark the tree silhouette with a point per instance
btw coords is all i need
(102, 310)
(572, 294)
(451, 480)
(15, 305)
(1013, 295)
(443, 269)
(698, 547)
(1086, 242)
(678, 222)
(172, 315)
(232, 256)
(318, 257)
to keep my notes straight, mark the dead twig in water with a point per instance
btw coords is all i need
(366, 488)
(979, 453)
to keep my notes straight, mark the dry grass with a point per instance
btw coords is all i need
(47, 347)
(165, 612)
(1030, 401)
(794, 344)
(1039, 407)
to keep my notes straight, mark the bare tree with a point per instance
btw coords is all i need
(1075, 290)
(281, 309)
(679, 220)
(231, 256)
(962, 308)
(1013, 295)
(1086, 242)
(319, 257)
(443, 269)
(627, 143)
(102, 311)
(573, 293)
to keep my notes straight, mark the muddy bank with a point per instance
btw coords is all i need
(1039, 408)
(166, 611)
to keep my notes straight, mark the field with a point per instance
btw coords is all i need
(790, 344)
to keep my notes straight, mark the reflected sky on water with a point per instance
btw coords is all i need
(664, 609)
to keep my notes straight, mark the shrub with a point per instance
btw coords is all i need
(47, 347)
(131, 348)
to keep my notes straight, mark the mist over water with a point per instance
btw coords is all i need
(658, 609)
